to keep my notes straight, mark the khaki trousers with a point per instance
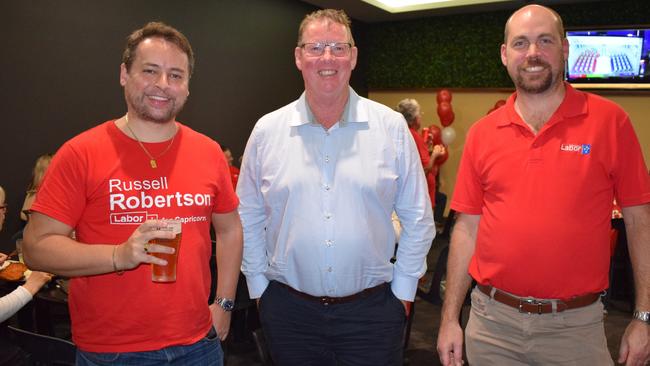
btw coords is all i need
(498, 334)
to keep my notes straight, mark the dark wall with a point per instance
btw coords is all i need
(60, 71)
(463, 50)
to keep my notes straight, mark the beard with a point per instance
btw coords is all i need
(537, 85)
(147, 113)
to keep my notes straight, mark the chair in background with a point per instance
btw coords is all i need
(44, 350)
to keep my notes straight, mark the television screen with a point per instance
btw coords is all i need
(610, 58)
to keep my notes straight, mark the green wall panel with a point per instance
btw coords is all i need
(463, 50)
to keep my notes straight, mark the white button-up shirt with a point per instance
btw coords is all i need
(316, 204)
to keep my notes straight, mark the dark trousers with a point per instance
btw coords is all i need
(367, 331)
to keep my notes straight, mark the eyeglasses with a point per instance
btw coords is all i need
(338, 49)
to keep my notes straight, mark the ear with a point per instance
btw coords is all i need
(297, 54)
(124, 75)
(565, 48)
(353, 56)
(504, 58)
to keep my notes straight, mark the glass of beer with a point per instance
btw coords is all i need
(167, 273)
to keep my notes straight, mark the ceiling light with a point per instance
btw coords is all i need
(399, 6)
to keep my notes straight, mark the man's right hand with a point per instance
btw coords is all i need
(450, 344)
(136, 249)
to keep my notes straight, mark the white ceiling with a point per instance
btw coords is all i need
(365, 12)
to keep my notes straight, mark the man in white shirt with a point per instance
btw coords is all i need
(319, 180)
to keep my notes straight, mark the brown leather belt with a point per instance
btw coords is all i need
(326, 300)
(538, 306)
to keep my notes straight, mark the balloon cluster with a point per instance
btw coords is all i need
(445, 136)
(500, 103)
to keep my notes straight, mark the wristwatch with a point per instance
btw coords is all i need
(226, 304)
(643, 316)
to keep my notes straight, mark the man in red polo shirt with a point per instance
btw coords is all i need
(534, 192)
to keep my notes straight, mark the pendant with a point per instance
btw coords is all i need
(153, 163)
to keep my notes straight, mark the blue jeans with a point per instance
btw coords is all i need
(207, 351)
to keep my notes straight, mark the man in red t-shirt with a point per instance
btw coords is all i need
(534, 191)
(410, 109)
(114, 185)
(234, 171)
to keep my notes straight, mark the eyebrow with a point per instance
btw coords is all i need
(177, 69)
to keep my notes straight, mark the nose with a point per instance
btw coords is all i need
(162, 81)
(533, 49)
(327, 53)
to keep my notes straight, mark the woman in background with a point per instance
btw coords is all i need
(40, 167)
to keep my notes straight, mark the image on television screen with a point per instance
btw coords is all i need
(608, 56)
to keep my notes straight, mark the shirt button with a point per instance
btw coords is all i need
(328, 243)
(327, 187)
(328, 216)
(329, 269)
(327, 158)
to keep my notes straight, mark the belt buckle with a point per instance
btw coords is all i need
(531, 301)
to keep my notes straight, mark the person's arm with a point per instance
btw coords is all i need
(253, 215)
(229, 253)
(450, 334)
(47, 246)
(635, 344)
(14, 301)
(413, 207)
(438, 151)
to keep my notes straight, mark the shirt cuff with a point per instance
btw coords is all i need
(23, 295)
(256, 285)
(404, 287)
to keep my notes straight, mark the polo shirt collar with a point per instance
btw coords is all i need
(354, 111)
(574, 104)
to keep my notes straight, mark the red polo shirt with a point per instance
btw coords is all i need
(545, 200)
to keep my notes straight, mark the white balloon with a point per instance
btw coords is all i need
(448, 135)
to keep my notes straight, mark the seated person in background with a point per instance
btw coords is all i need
(38, 172)
(12, 302)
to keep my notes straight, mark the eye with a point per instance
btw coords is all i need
(176, 76)
(519, 43)
(315, 47)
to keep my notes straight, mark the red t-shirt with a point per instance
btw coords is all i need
(101, 184)
(234, 175)
(425, 158)
(545, 200)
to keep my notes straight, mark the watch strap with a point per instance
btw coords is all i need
(643, 316)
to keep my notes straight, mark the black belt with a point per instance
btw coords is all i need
(538, 306)
(327, 300)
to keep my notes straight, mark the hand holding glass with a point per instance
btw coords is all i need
(167, 273)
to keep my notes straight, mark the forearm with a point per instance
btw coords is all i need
(229, 255)
(63, 256)
(637, 227)
(229, 252)
(458, 279)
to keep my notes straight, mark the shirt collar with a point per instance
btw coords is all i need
(353, 112)
(574, 104)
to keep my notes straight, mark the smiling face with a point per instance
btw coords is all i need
(157, 84)
(326, 76)
(535, 50)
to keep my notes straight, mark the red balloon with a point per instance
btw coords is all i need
(443, 95)
(434, 135)
(499, 103)
(443, 109)
(448, 118)
(442, 158)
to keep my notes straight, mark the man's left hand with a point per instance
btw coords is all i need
(220, 320)
(635, 345)
(407, 307)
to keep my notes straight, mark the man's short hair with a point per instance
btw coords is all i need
(559, 23)
(157, 30)
(332, 15)
(410, 109)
